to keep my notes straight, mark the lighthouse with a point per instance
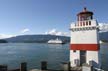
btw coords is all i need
(84, 44)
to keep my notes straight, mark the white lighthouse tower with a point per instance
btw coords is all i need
(84, 45)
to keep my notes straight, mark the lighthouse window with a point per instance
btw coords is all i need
(83, 28)
(89, 22)
(83, 23)
(80, 28)
(93, 27)
(86, 22)
(80, 23)
(86, 28)
(74, 51)
(77, 24)
(72, 29)
(90, 28)
(75, 29)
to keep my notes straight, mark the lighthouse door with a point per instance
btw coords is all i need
(82, 57)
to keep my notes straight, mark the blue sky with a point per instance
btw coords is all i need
(38, 16)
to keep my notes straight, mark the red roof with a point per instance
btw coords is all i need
(85, 12)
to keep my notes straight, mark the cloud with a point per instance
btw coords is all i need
(103, 27)
(2, 36)
(25, 30)
(55, 32)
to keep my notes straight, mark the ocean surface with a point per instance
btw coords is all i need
(12, 54)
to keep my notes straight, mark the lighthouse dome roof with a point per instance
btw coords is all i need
(84, 12)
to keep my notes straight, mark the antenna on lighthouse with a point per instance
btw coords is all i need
(83, 3)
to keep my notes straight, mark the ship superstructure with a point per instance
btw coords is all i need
(55, 41)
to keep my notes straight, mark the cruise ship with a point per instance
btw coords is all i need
(56, 41)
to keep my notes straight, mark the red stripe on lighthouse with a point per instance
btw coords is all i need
(91, 47)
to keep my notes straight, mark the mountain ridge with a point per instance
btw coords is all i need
(36, 38)
(41, 38)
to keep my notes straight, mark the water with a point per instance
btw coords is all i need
(104, 56)
(12, 54)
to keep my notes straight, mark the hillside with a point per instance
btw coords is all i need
(3, 41)
(44, 38)
(36, 38)
(103, 36)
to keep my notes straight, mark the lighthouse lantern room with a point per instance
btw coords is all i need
(84, 45)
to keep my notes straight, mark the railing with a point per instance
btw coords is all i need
(84, 23)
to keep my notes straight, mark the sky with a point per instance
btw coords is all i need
(22, 17)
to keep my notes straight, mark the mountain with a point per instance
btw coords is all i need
(3, 41)
(103, 33)
(36, 38)
(103, 36)
(44, 38)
